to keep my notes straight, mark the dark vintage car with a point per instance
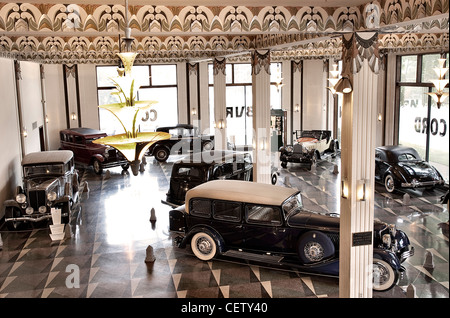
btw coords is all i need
(401, 167)
(49, 181)
(268, 223)
(184, 139)
(79, 141)
(309, 146)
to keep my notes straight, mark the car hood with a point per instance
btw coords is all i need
(309, 218)
(420, 168)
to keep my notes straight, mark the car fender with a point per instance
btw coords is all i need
(399, 176)
(157, 145)
(388, 257)
(11, 203)
(207, 229)
(98, 157)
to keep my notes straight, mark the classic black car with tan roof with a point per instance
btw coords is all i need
(267, 223)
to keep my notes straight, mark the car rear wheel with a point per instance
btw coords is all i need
(315, 246)
(203, 246)
(161, 154)
(389, 183)
(384, 276)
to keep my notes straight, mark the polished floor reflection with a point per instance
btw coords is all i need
(105, 248)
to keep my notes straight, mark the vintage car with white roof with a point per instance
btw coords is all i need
(269, 224)
(50, 180)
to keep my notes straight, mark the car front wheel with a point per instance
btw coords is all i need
(98, 167)
(203, 246)
(389, 183)
(384, 276)
(161, 154)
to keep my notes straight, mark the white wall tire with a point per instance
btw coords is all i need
(203, 246)
(384, 276)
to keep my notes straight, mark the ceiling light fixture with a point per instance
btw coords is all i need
(440, 96)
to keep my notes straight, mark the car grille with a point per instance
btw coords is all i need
(36, 198)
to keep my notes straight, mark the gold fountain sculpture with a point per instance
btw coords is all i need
(132, 144)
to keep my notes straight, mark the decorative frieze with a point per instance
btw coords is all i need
(55, 33)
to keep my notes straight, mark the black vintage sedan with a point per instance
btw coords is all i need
(402, 167)
(267, 223)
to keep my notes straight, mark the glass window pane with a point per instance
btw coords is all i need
(413, 118)
(409, 69)
(141, 75)
(236, 113)
(275, 73)
(439, 141)
(229, 73)
(164, 75)
(104, 73)
(166, 107)
(275, 97)
(429, 62)
(210, 74)
(242, 73)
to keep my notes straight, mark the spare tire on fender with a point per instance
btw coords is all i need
(314, 246)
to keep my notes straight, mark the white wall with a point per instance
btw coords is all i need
(87, 78)
(31, 104)
(314, 105)
(55, 104)
(10, 152)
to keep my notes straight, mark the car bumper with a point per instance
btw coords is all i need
(33, 217)
(407, 254)
(419, 184)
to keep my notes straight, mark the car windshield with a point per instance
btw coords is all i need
(188, 171)
(43, 169)
(407, 157)
(292, 205)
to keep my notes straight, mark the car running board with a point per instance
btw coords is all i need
(274, 259)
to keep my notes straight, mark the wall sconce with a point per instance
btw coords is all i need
(440, 96)
(263, 143)
(334, 79)
(194, 111)
(279, 81)
(73, 116)
(344, 189)
(46, 119)
(344, 86)
(297, 108)
(380, 117)
(220, 124)
(361, 190)
(24, 132)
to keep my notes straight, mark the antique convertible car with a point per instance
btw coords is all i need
(49, 181)
(267, 223)
(184, 139)
(309, 147)
(402, 167)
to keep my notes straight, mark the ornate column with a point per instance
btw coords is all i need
(220, 116)
(261, 116)
(361, 62)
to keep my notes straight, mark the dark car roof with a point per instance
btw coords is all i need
(392, 152)
(209, 157)
(86, 132)
(166, 128)
(47, 157)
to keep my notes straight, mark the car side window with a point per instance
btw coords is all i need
(261, 214)
(200, 207)
(227, 211)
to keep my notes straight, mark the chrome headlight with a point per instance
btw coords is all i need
(21, 198)
(51, 196)
(29, 210)
(42, 209)
(387, 239)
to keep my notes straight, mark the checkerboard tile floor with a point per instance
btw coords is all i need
(106, 245)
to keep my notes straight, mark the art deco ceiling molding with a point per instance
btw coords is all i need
(53, 33)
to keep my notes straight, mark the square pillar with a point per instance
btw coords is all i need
(359, 119)
(261, 116)
(220, 115)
